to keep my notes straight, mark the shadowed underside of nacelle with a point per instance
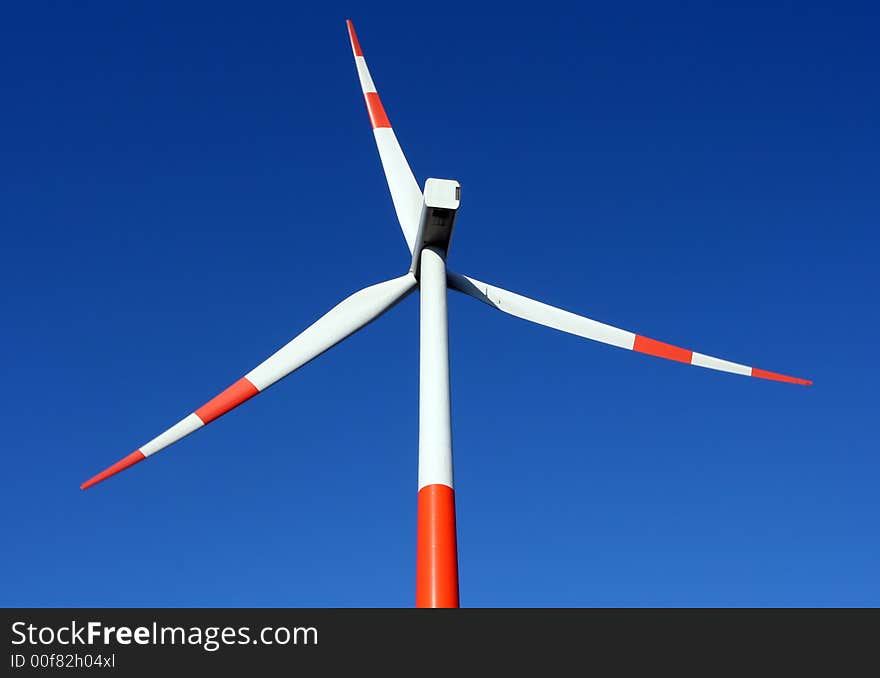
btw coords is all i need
(440, 203)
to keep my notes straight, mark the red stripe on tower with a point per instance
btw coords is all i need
(764, 374)
(661, 349)
(376, 111)
(355, 45)
(436, 551)
(232, 397)
(120, 465)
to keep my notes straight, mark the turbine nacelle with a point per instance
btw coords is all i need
(440, 203)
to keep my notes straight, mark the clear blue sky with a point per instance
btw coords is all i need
(185, 188)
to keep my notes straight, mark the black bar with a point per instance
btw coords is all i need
(570, 641)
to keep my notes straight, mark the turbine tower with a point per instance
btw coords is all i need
(426, 218)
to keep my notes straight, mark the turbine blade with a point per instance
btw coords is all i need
(564, 321)
(405, 192)
(344, 319)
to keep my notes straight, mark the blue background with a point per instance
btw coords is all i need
(185, 188)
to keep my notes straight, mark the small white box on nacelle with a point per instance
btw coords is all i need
(439, 205)
(442, 193)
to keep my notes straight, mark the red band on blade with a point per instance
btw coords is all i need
(232, 397)
(661, 349)
(436, 550)
(354, 38)
(376, 111)
(120, 465)
(764, 374)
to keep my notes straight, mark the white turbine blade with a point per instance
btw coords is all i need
(344, 319)
(564, 321)
(405, 192)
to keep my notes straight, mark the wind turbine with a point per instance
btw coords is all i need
(426, 219)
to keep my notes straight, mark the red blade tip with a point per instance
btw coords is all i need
(354, 38)
(774, 376)
(120, 465)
